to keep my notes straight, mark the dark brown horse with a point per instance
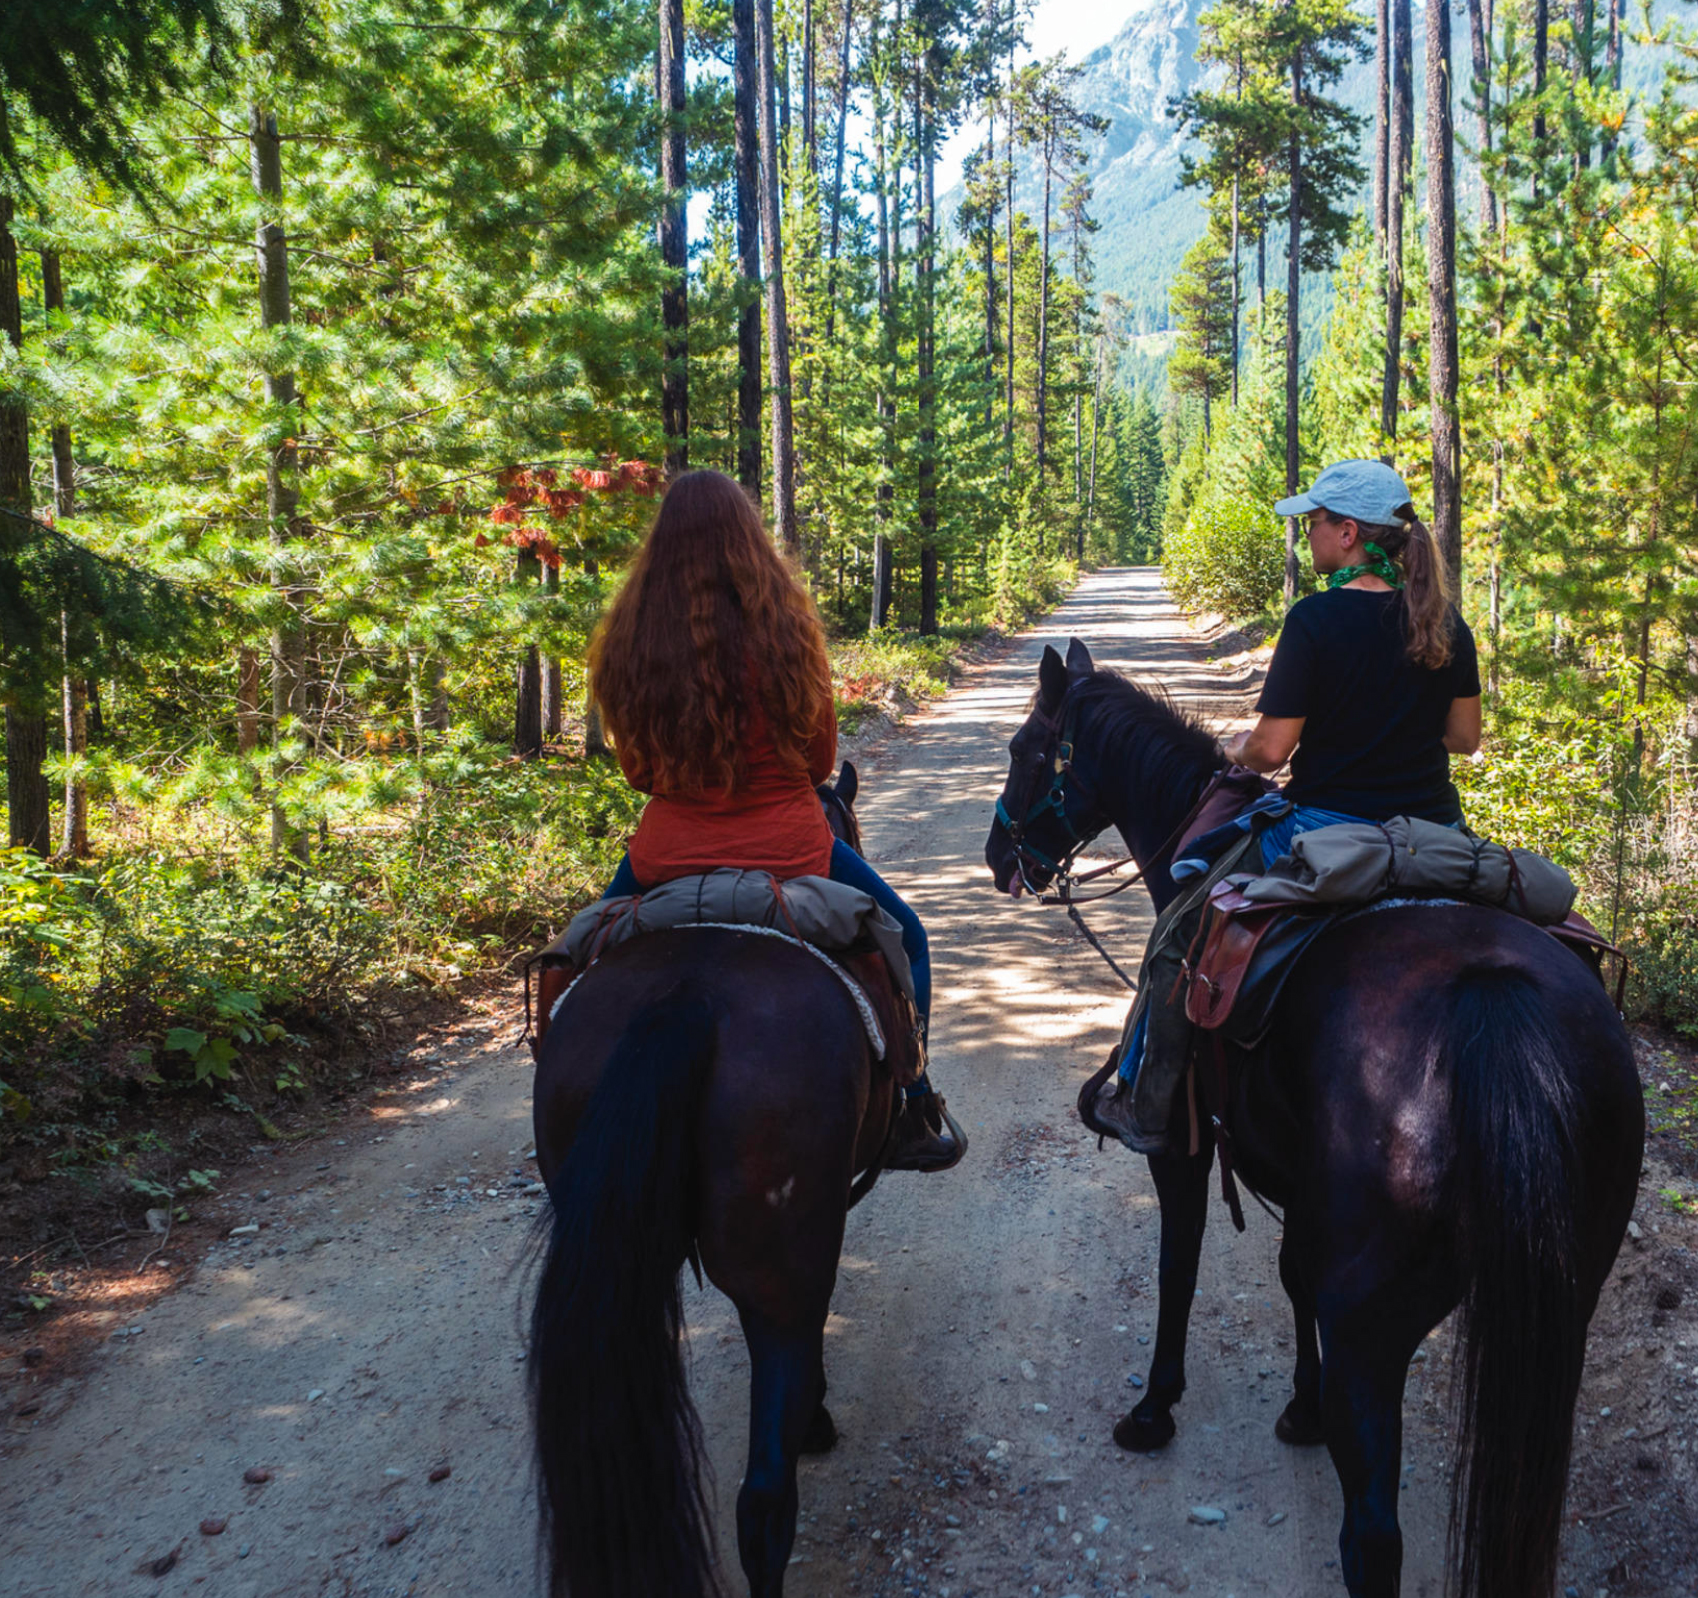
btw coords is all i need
(1450, 1116)
(708, 1096)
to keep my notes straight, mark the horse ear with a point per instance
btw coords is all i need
(848, 782)
(1052, 678)
(1078, 660)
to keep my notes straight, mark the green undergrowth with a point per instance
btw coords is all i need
(185, 963)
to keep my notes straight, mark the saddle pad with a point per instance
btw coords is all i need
(812, 910)
(875, 1035)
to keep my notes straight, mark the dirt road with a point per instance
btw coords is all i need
(985, 1331)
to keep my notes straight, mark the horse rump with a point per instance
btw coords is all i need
(1522, 1335)
(620, 1464)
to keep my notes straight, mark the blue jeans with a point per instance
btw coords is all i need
(850, 869)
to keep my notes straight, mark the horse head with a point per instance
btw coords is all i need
(1049, 808)
(838, 801)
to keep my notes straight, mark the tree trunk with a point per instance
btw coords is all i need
(553, 715)
(778, 327)
(27, 821)
(1043, 315)
(925, 131)
(1398, 181)
(884, 496)
(746, 118)
(1008, 268)
(810, 150)
(1096, 422)
(674, 239)
(1235, 294)
(1441, 279)
(837, 170)
(1293, 287)
(282, 493)
(247, 700)
(1479, 49)
(1382, 121)
(527, 707)
(73, 837)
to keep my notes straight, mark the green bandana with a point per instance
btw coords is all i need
(1379, 564)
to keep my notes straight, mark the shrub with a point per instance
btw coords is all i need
(1227, 556)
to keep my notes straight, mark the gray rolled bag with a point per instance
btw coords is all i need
(1359, 862)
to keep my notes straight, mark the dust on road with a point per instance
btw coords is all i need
(982, 1339)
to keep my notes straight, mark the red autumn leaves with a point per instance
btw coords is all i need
(533, 492)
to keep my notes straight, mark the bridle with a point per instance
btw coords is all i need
(1058, 761)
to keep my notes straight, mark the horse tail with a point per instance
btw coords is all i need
(620, 1461)
(1522, 1334)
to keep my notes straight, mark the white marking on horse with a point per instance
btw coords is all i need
(778, 1197)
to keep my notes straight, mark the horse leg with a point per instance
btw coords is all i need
(787, 1378)
(1182, 1185)
(1365, 1360)
(1300, 1421)
(821, 1435)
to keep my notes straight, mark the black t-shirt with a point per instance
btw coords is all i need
(1373, 729)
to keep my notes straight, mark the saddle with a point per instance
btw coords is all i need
(1249, 949)
(824, 918)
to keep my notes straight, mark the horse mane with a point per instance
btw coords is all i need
(1168, 749)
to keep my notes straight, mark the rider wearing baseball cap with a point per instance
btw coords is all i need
(1375, 681)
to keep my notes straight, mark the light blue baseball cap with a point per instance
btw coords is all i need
(1365, 491)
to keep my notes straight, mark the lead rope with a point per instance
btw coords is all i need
(1092, 939)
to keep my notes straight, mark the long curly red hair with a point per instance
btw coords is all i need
(710, 620)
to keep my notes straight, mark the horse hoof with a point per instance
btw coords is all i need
(1143, 1434)
(1298, 1426)
(821, 1435)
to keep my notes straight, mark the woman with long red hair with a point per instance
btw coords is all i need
(711, 673)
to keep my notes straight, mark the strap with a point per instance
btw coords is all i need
(1223, 1144)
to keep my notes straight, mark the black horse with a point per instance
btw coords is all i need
(708, 1096)
(1450, 1116)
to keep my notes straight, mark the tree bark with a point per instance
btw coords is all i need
(925, 132)
(884, 497)
(527, 705)
(1096, 422)
(674, 239)
(1441, 280)
(73, 837)
(27, 821)
(837, 169)
(1382, 120)
(1008, 268)
(1293, 287)
(553, 712)
(282, 493)
(1397, 190)
(1043, 313)
(810, 149)
(778, 327)
(1479, 50)
(746, 119)
(247, 700)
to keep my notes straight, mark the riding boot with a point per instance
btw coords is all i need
(1106, 1107)
(926, 1136)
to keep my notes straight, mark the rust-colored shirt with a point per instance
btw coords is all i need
(772, 821)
